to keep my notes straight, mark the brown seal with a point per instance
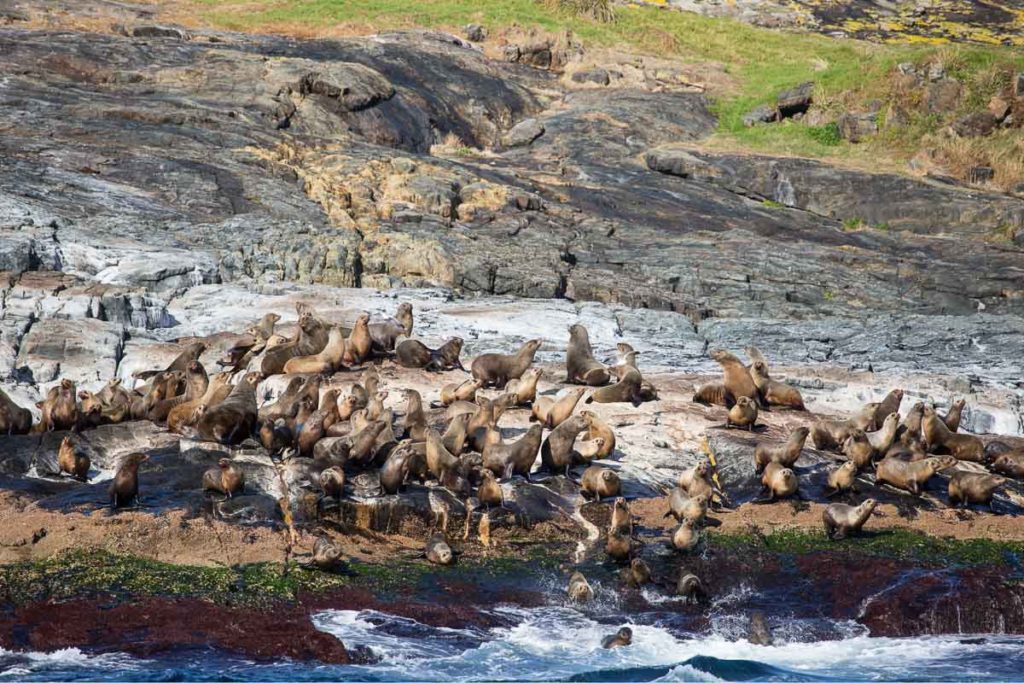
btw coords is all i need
(778, 481)
(13, 418)
(359, 342)
(712, 394)
(285, 404)
(600, 482)
(627, 390)
(196, 384)
(385, 333)
(830, 434)
(743, 414)
(910, 429)
(454, 437)
(404, 462)
(249, 345)
(60, 408)
(1010, 463)
(314, 427)
(375, 407)
(525, 388)
(621, 638)
(497, 368)
(619, 544)
(517, 457)
(841, 520)
(489, 492)
(938, 437)
(953, 417)
(332, 482)
(553, 412)
(785, 454)
(692, 508)
(882, 438)
(438, 458)
(226, 478)
(580, 365)
(973, 487)
(697, 479)
(858, 449)
(233, 420)
(621, 517)
(438, 551)
(598, 428)
(464, 391)
(579, 590)
(364, 442)
(691, 588)
(685, 538)
(842, 478)
(888, 405)
(735, 376)
(326, 556)
(310, 340)
(759, 633)
(190, 353)
(71, 461)
(588, 450)
(330, 359)
(911, 476)
(411, 353)
(637, 574)
(556, 454)
(414, 422)
(774, 392)
(124, 490)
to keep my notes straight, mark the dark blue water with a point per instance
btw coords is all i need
(559, 643)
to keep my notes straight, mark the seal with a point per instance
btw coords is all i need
(496, 369)
(314, 427)
(735, 376)
(1010, 463)
(330, 359)
(621, 518)
(599, 429)
(384, 333)
(773, 392)
(685, 538)
(691, 588)
(327, 556)
(190, 353)
(553, 412)
(580, 365)
(842, 478)
(518, 457)
(402, 463)
(600, 482)
(439, 459)
(759, 633)
(841, 520)
(619, 544)
(489, 492)
(359, 342)
(883, 438)
(697, 479)
(310, 340)
(938, 436)
(71, 461)
(953, 417)
(284, 406)
(858, 449)
(637, 575)
(454, 437)
(743, 414)
(196, 384)
(226, 478)
(911, 476)
(712, 394)
(525, 388)
(60, 408)
(910, 429)
(587, 450)
(778, 481)
(830, 434)
(579, 589)
(232, 421)
(683, 507)
(556, 454)
(973, 488)
(332, 482)
(411, 353)
(888, 405)
(249, 345)
(124, 490)
(364, 443)
(464, 391)
(621, 638)
(627, 390)
(375, 407)
(785, 454)
(438, 551)
(13, 418)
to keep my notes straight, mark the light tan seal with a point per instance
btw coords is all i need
(525, 388)
(553, 412)
(463, 391)
(686, 537)
(599, 429)
(330, 359)
(59, 408)
(743, 414)
(735, 376)
(911, 476)
(600, 482)
(226, 478)
(774, 392)
(637, 574)
(785, 454)
(938, 438)
(359, 342)
(580, 365)
(842, 478)
(778, 482)
(71, 461)
(579, 589)
(841, 520)
(973, 488)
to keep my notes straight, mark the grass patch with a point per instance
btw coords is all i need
(901, 544)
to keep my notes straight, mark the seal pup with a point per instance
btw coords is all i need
(124, 490)
(327, 556)
(685, 538)
(882, 438)
(759, 633)
(736, 377)
(778, 482)
(841, 520)
(842, 478)
(226, 478)
(412, 353)
(13, 418)
(774, 392)
(332, 482)
(518, 457)
(489, 492)
(580, 365)
(553, 412)
(742, 414)
(973, 488)
(579, 589)
(556, 454)
(496, 369)
(858, 449)
(600, 482)
(1010, 463)
(438, 551)
(911, 476)
(785, 454)
(711, 394)
(72, 461)
(525, 388)
(691, 588)
(621, 638)
(637, 574)
(233, 420)
(698, 480)
(464, 391)
(599, 429)
(385, 333)
(681, 506)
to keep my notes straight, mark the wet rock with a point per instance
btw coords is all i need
(856, 126)
(761, 114)
(523, 133)
(977, 124)
(795, 100)
(595, 75)
(82, 350)
(157, 31)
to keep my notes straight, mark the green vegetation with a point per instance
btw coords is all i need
(894, 543)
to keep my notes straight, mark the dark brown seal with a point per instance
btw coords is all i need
(179, 364)
(60, 408)
(841, 520)
(124, 490)
(953, 417)
(580, 365)
(627, 390)
(234, 419)
(621, 638)
(518, 457)
(332, 482)
(411, 353)
(385, 333)
(13, 418)
(557, 453)
(496, 369)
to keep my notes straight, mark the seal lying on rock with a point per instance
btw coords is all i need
(496, 369)
(411, 353)
(553, 412)
(773, 392)
(179, 364)
(629, 389)
(841, 520)
(234, 420)
(600, 482)
(465, 391)
(438, 551)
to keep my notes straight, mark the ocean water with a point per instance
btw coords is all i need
(561, 643)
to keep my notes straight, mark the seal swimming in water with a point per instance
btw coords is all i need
(579, 589)
(840, 520)
(621, 638)
(496, 369)
(759, 633)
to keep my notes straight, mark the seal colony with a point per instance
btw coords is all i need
(334, 416)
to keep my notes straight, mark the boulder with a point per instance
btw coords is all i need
(1018, 84)
(943, 96)
(762, 114)
(475, 33)
(156, 31)
(999, 108)
(855, 126)
(977, 124)
(795, 100)
(523, 133)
